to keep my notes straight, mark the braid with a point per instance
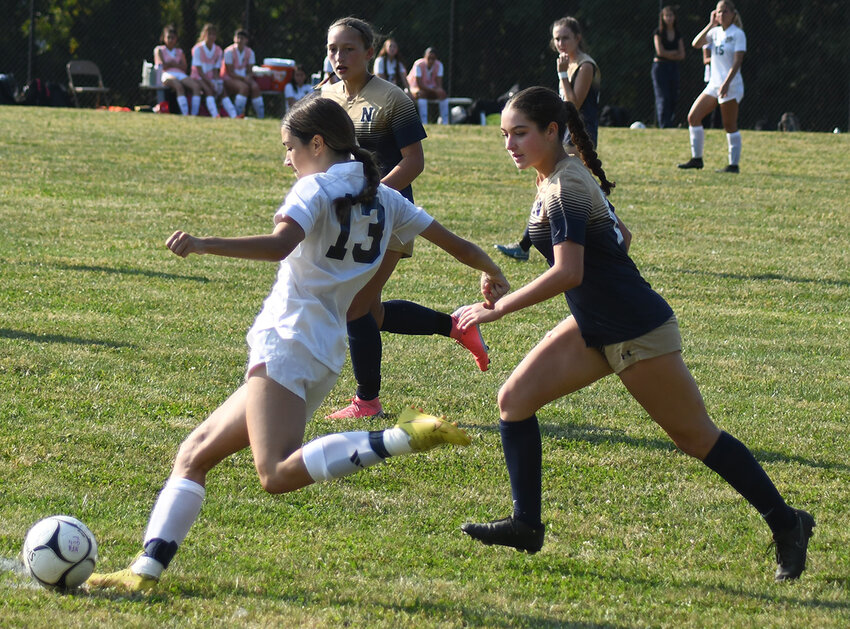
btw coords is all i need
(579, 137)
(342, 205)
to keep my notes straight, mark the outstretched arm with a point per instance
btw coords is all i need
(273, 247)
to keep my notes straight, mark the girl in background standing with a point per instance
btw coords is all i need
(669, 50)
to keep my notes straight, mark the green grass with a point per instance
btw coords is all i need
(112, 349)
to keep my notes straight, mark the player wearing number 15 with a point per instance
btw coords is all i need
(330, 235)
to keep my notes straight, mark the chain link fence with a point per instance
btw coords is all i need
(798, 57)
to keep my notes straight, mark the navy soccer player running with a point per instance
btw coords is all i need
(618, 325)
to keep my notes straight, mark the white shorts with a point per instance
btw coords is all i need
(174, 74)
(736, 92)
(293, 366)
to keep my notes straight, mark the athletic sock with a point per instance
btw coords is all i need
(364, 343)
(733, 140)
(697, 137)
(733, 461)
(525, 242)
(184, 104)
(196, 105)
(344, 453)
(444, 110)
(211, 106)
(228, 106)
(241, 100)
(407, 317)
(259, 107)
(523, 457)
(176, 509)
(422, 105)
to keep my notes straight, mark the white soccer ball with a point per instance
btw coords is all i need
(60, 552)
(637, 125)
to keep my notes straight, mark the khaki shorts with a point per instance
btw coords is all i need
(665, 339)
(405, 249)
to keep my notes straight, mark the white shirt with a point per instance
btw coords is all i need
(724, 45)
(293, 91)
(318, 280)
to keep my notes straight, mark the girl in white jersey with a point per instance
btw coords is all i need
(618, 325)
(727, 44)
(207, 59)
(330, 235)
(169, 58)
(238, 76)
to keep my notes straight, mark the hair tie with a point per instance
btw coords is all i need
(350, 198)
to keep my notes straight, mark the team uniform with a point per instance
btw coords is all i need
(207, 63)
(293, 91)
(422, 76)
(174, 73)
(304, 316)
(723, 46)
(392, 68)
(240, 62)
(570, 205)
(590, 107)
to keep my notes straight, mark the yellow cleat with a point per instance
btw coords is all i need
(425, 432)
(125, 580)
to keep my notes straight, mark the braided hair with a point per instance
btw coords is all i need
(314, 116)
(543, 106)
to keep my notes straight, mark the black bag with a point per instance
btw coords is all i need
(41, 93)
(8, 89)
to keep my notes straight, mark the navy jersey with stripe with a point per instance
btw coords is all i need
(385, 120)
(613, 303)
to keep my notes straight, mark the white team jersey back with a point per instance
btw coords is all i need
(317, 282)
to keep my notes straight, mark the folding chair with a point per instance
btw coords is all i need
(89, 73)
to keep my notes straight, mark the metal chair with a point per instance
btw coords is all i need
(81, 76)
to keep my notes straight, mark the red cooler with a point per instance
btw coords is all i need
(282, 71)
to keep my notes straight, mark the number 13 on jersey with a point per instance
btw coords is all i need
(375, 233)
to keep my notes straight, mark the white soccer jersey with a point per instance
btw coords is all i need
(724, 45)
(318, 280)
(239, 61)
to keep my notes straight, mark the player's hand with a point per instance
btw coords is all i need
(563, 62)
(182, 244)
(714, 20)
(475, 314)
(493, 288)
(724, 89)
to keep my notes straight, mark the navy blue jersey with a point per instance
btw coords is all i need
(613, 303)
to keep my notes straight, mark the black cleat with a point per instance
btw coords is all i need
(731, 168)
(791, 547)
(507, 532)
(694, 162)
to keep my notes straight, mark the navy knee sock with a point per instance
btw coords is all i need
(736, 465)
(406, 317)
(523, 457)
(525, 241)
(364, 343)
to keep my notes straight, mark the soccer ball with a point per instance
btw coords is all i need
(637, 125)
(60, 552)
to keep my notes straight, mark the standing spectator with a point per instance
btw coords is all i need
(426, 83)
(168, 57)
(727, 43)
(669, 50)
(237, 74)
(297, 88)
(578, 83)
(207, 58)
(390, 67)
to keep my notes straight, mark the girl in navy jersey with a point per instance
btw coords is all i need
(618, 325)
(330, 235)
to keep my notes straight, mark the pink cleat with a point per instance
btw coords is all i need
(359, 409)
(472, 340)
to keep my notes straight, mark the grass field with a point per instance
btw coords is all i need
(112, 350)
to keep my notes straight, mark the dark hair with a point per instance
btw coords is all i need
(170, 28)
(662, 26)
(367, 33)
(543, 106)
(572, 24)
(241, 33)
(314, 115)
(295, 70)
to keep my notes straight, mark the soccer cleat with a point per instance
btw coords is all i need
(791, 547)
(125, 580)
(694, 162)
(507, 532)
(472, 340)
(514, 251)
(358, 409)
(425, 432)
(731, 168)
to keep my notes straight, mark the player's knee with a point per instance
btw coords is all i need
(695, 443)
(272, 481)
(190, 455)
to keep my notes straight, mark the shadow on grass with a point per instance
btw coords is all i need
(20, 335)
(126, 271)
(762, 277)
(596, 435)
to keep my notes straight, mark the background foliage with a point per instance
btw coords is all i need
(798, 58)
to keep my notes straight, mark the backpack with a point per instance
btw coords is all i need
(45, 94)
(8, 89)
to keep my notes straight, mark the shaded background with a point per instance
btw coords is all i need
(797, 59)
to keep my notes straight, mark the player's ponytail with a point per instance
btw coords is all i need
(543, 107)
(312, 116)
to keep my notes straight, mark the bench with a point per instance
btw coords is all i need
(453, 101)
(161, 96)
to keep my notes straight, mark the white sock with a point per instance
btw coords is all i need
(422, 104)
(176, 509)
(211, 106)
(697, 135)
(444, 110)
(343, 453)
(196, 105)
(241, 99)
(259, 107)
(734, 142)
(228, 106)
(184, 105)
